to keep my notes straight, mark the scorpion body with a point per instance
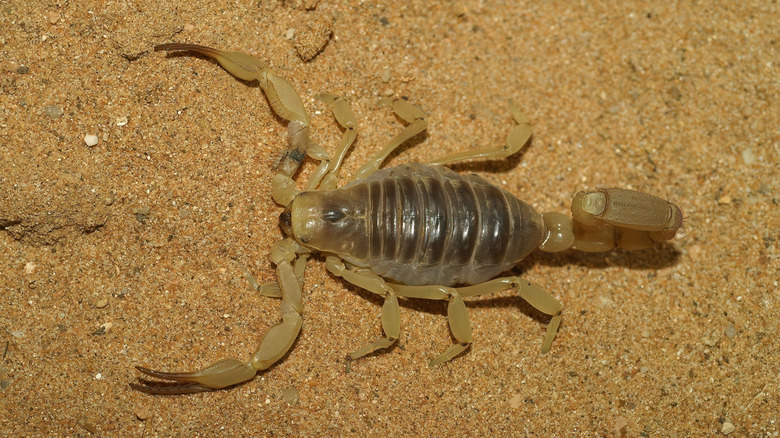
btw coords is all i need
(411, 231)
(417, 224)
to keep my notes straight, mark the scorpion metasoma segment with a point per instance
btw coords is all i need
(413, 231)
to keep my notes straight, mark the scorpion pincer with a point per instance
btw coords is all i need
(412, 231)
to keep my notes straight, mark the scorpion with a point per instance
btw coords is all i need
(413, 231)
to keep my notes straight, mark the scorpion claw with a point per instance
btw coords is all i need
(227, 372)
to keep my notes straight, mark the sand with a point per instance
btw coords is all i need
(121, 253)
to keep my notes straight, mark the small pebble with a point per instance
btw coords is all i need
(23, 70)
(91, 140)
(748, 156)
(54, 17)
(290, 34)
(385, 76)
(620, 425)
(727, 428)
(290, 395)
(387, 92)
(311, 36)
(710, 341)
(52, 112)
(731, 332)
(724, 200)
(121, 121)
(142, 412)
(516, 401)
(89, 425)
(604, 302)
(101, 302)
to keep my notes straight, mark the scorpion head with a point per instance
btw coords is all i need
(329, 220)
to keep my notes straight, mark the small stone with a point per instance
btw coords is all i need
(101, 302)
(387, 92)
(188, 27)
(724, 200)
(385, 76)
(710, 341)
(91, 140)
(620, 426)
(312, 35)
(605, 302)
(121, 121)
(748, 156)
(516, 401)
(52, 112)
(290, 395)
(142, 213)
(54, 17)
(142, 412)
(88, 425)
(23, 70)
(731, 332)
(290, 33)
(29, 268)
(727, 428)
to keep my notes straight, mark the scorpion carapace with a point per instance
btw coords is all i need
(413, 231)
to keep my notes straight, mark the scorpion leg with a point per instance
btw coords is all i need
(346, 118)
(274, 346)
(460, 326)
(537, 296)
(515, 140)
(391, 313)
(282, 97)
(416, 118)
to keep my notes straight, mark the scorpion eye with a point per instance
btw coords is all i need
(333, 216)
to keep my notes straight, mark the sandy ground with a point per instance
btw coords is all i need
(120, 254)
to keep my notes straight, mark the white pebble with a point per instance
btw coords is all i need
(90, 140)
(748, 156)
(727, 428)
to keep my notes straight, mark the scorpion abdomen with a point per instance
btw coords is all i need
(429, 225)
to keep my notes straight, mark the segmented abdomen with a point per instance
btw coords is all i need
(429, 225)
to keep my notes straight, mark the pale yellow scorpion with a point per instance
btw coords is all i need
(414, 230)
